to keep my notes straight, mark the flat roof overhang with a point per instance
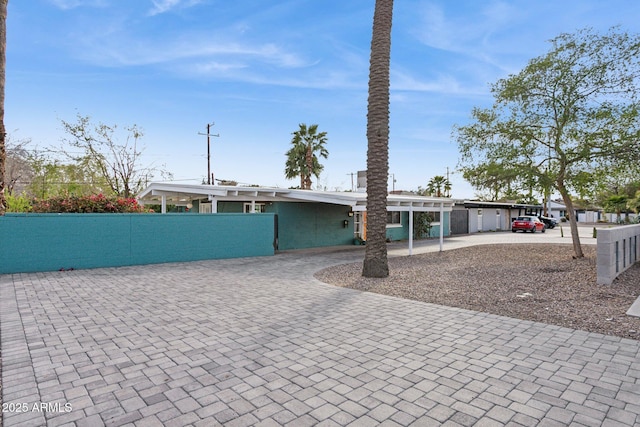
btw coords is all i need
(180, 194)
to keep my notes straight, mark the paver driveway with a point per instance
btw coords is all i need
(260, 342)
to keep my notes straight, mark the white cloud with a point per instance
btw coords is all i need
(72, 4)
(215, 67)
(197, 49)
(466, 34)
(442, 83)
(162, 6)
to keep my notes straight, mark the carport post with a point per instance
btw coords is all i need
(441, 225)
(410, 230)
(214, 204)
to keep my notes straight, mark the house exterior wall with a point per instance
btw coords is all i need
(398, 233)
(48, 242)
(558, 210)
(473, 219)
(402, 233)
(444, 222)
(308, 225)
(304, 225)
(588, 216)
(613, 217)
(489, 220)
(395, 232)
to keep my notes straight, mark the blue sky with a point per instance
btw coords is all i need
(258, 68)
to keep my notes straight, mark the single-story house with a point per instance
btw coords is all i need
(557, 209)
(473, 216)
(305, 218)
(583, 214)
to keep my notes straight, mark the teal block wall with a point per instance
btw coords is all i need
(400, 233)
(435, 229)
(309, 225)
(47, 242)
(199, 237)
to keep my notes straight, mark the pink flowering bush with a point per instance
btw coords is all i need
(95, 203)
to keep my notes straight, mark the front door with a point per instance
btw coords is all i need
(205, 207)
(360, 225)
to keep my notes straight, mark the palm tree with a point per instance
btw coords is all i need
(375, 259)
(3, 134)
(437, 184)
(302, 159)
(295, 164)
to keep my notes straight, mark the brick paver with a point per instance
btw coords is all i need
(260, 342)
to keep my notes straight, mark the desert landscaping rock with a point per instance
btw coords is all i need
(537, 282)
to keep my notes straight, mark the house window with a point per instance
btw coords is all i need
(259, 208)
(393, 219)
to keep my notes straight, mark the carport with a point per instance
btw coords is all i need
(206, 199)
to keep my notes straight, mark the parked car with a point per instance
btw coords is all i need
(527, 223)
(549, 222)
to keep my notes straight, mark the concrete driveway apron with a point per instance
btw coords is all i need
(261, 342)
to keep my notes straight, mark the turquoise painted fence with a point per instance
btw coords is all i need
(47, 242)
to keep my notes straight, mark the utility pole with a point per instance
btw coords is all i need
(352, 174)
(208, 134)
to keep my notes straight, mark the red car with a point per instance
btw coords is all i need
(527, 223)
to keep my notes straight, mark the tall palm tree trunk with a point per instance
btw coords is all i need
(309, 162)
(3, 133)
(375, 260)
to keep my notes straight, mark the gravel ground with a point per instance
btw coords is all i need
(537, 282)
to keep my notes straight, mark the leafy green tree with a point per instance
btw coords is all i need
(3, 133)
(18, 170)
(617, 204)
(49, 177)
(619, 182)
(375, 260)
(634, 204)
(118, 164)
(498, 182)
(565, 118)
(302, 157)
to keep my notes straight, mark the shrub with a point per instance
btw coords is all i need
(18, 204)
(95, 203)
